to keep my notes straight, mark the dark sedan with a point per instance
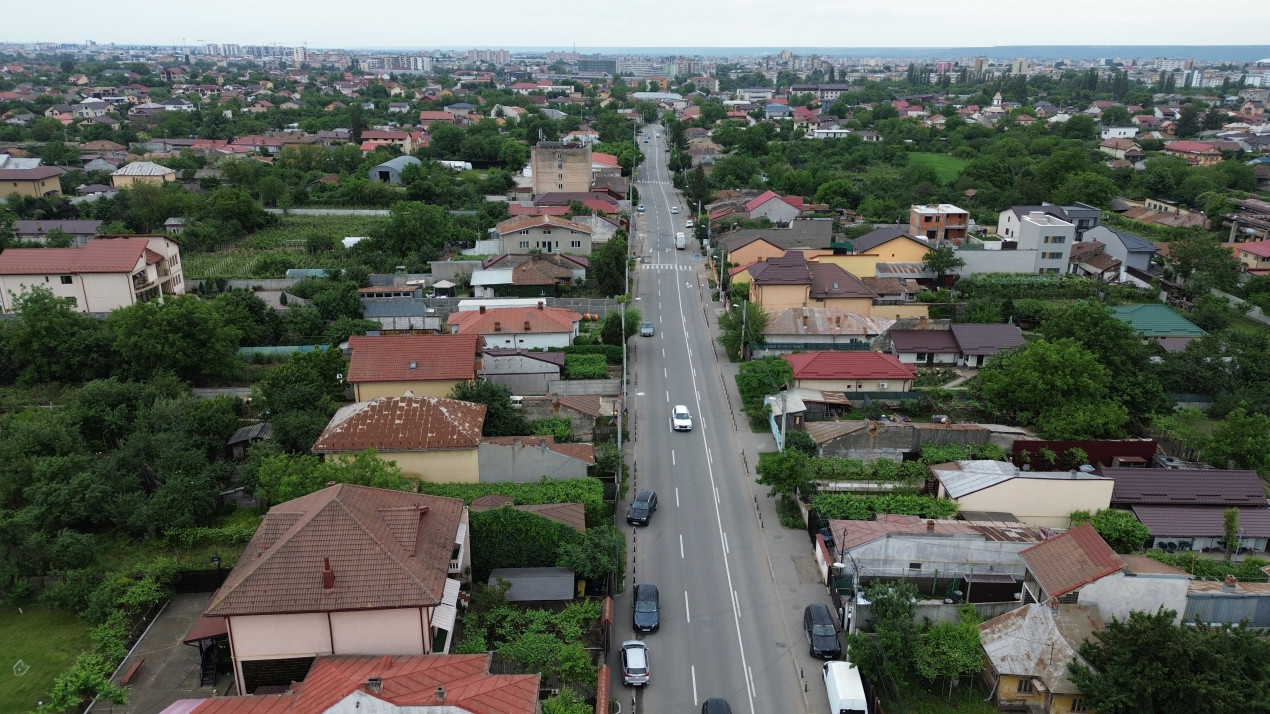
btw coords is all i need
(642, 508)
(822, 633)
(647, 608)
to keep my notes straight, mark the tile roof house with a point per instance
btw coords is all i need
(532, 275)
(891, 244)
(107, 273)
(37, 231)
(385, 683)
(1027, 652)
(798, 329)
(519, 327)
(524, 459)
(931, 346)
(550, 234)
(775, 207)
(850, 372)
(1037, 498)
(790, 281)
(978, 342)
(522, 371)
(347, 570)
(1156, 320)
(424, 365)
(1183, 508)
(1079, 567)
(1198, 153)
(432, 438)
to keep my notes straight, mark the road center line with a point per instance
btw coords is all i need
(681, 545)
(687, 614)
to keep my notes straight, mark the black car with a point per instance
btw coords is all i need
(647, 608)
(642, 508)
(822, 633)
(716, 705)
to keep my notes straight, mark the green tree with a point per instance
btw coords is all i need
(1038, 377)
(595, 555)
(501, 418)
(1230, 531)
(741, 328)
(414, 229)
(184, 335)
(758, 378)
(1086, 187)
(942, 261)
(608, 266)
(51, 342)
(1241, 439)
(1123, 532)
(786, 473)
(949, 651)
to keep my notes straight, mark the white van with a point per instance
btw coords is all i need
(845, 688)
(681, 241)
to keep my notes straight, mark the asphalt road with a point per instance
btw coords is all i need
(729, 627)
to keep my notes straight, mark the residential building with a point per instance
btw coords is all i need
(374, 138)
(522, 371)
(1183, 508)
(927, 347)
(1028, 651)
(533, 275)
(527, 328)
(387, 684)
(1090, 259)
(1078, 567)
(347, 570)
(37, 231)
(791, 282)
(1126, 149)
(105, 274)
(780, 210)
(1156, 320)
(390, 170)
(529, 459)
(1196, 153)
(1041, 236)
(1037, 498)
(850, 372)
(939, 222)
(561, 167)
(431, 438)
(421, 365)
(800, 329)
(141, 172)
(1254, 257)
(979, 341)
(36, 182)
(892, 245)
(802, 234)
(549, 234)
(1133, 252)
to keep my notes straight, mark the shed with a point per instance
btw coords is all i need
(390, 170)
(245, 437)
(535, 584)
(989, 587)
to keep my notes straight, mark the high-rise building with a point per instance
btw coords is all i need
(943, 66)
(558, 167)
(597, 66)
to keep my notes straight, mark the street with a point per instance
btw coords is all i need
(733, 582)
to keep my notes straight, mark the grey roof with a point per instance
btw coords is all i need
(1186, 487)
(986, 339)
(924, 341)
(255, 431)
(41, 228)
(556, 358)
(399, 163)
(961, 478)
(1200, 521)
(535, 584)
(823, 321)
(873, 239)
(1131, 242)
(1037, 641)
(829, 280)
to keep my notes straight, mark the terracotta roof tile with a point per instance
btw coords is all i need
(410, 358)
(1071, 560)
(116, 255)
(521, 223)
(588, 404)
(386, 548)
(848, 365)
(403, 424)
(512, 320)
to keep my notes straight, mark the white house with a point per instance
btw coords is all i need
(104, 274)
(522, 328)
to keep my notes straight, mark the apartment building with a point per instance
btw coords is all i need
(559, 166)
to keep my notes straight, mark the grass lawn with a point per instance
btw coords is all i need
(46, 640)
(287, 238)
(965, 699)
(946, 167)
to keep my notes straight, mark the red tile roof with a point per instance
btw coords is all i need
(116, 255)
(1259, 248)
(403, 424)
(1189, 147)
(522, 223)
(1071, 560)
(406, 681)
(513, 319)
(795, 201)
(848, 365)
(413, 358)
(387, 549)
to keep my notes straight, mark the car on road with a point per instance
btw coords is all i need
(646, 329)
(674, 209)
(645, 140)
(680, 418)
(635, 670)
(640, 208)
(822, 633)
(642, 507)
(646, 615)
(716, 705)
(688, 223)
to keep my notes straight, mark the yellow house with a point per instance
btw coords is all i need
(418, 365)
(756, 248)
(141, 172)
(891, 245)
(861, 266)
(1037, 498)
(861, 371)
(37, 182)
(791, 282)
(430, 438)
(1026, 652)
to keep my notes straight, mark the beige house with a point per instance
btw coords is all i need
(790, 281)
(861, 371)
(549, 234)
(1027, 651)
(1037, 498)
(431, 438)
(419, 365)
(141, 172)
(561, 167)
(348, 570)
(34, 182)
(105, 274)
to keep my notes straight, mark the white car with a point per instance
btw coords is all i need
(688, 223)
(640, 208)
(681, 418)
(674, 209)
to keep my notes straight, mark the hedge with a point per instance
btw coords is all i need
(845, 506)
(516, 539)
(587, 491)
(585, 367)
(612, 353)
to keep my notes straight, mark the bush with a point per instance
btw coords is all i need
(516, 539)
(845, 506)
(559, 427)
(587, 491)
(612, 353)
(585, 367)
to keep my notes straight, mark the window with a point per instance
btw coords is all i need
(524, 244)
(1052, 256)
(66, 280)
(922, 356)
(559, 176)
(1055, 239)
(1079, 705)
(575, 244)
(546, 231)
(524, 231)
(559, 157)
(914, 566)
(559, 166)
(1025, 687)
(560, 186)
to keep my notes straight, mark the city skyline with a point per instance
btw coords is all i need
(567, 23)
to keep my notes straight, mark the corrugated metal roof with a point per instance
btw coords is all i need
(1071, 560)
(1155, 320)
(962, 478)
(1200, 521)
(1037, 641)
(1190, 487)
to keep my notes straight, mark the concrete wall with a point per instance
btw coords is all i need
(1119, 594)
(893, 440)
(997, 261)
(1041, 502)
(582, 426)
(939, 556)
(451, 269)
(855, 385)
(527, 462)
(365, 391)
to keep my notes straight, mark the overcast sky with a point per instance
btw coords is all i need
(563, 24)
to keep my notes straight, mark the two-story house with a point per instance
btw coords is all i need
(1027, 652)
(789, 281)
(939, 222)
(424, 365)
(1034, 239)
(35, 182)
(107, 273)
(527, 328)
(549, 234)
(779, 209)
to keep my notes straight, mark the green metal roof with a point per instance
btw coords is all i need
(1155, 320)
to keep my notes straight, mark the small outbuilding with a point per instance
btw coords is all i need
(390, 170)
(535, 584)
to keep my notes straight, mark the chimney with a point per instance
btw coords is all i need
(921, 323)
(328, 577)
(482, 309)
(930, 526)
(838, 321)
(1230, 585)
(804, 319)
(540, 304)
(375, 685)
(498, 326)
(440, 694)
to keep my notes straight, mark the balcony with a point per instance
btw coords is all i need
(456, 567)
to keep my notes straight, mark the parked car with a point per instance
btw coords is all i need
(822, 633)
(642, 507)
(646, 329)
(635, 669)
(681, 418)
(716, 705)
(640, 208)
(688, 223)
(647, 608)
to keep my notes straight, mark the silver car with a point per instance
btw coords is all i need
(646, 329)
(681, 418)
(635, 669)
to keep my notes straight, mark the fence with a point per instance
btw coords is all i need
(570, 387)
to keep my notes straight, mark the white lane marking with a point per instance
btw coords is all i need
(676, 497)
(663, 352)
(694, 685)
(681, 546)
(665, 374)
(709, 456)
(668, 396)
(672, 458)
(726, 549)
(736, 600)
(687, 614)
(750, 673)
(716, 496)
